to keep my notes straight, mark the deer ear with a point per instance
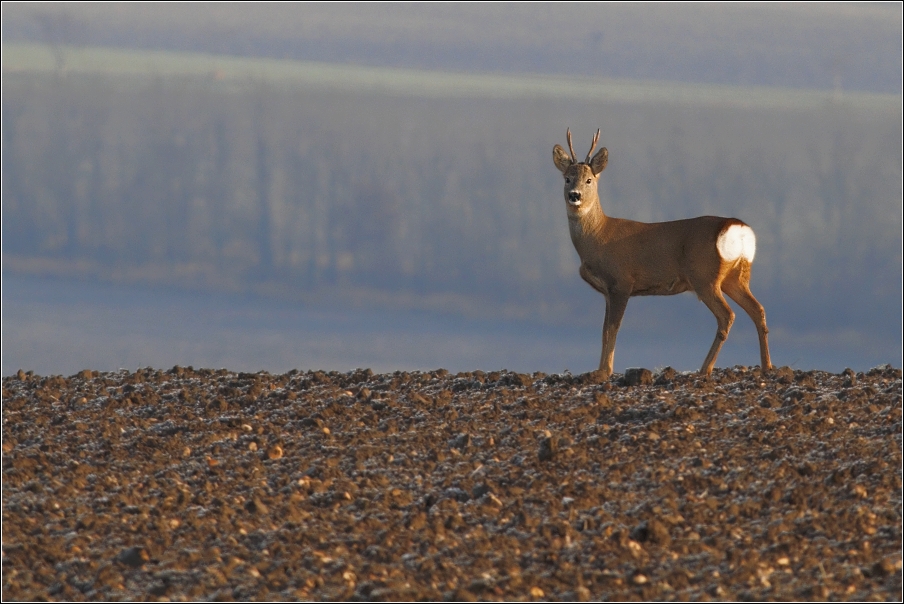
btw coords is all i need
(599, 161)
(562, 160)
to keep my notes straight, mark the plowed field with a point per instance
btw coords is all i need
(208, 484)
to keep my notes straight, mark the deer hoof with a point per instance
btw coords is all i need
(597, 377)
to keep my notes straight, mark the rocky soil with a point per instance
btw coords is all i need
(208, 484)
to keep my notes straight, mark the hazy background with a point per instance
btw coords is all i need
(339, 186)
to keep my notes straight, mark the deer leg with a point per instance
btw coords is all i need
(739, 291)
(712, 297)
(615, 311)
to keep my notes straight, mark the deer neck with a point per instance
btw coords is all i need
(586, 228)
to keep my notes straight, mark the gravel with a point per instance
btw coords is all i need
(211, 484)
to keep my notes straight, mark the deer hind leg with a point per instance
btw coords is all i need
(737, 286)
(712, 297)
(615, 311)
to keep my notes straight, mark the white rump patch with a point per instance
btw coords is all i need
(737, 241)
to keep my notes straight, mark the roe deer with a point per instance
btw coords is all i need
(621, 258)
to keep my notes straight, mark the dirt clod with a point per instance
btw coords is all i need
(133, 556)
(549, 447)
(638, 376)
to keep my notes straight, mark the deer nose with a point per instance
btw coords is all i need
(574, 196)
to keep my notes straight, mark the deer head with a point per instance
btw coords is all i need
(580, 178)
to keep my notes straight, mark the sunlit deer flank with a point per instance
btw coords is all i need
(621, 258)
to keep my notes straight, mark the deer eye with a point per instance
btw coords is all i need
(589, 180)
(567, 180)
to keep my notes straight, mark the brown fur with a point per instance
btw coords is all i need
(624, 258)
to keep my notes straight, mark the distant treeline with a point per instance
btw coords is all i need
(300, 191)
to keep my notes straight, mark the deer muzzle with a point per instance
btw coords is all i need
(574, 198)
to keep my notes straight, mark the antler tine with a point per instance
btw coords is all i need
(570, 148)
(596, 139)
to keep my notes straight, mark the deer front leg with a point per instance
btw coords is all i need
(616, 303)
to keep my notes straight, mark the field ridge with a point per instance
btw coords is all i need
(22, 57)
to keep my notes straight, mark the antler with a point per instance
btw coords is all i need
(596, 139)
(570, 148)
